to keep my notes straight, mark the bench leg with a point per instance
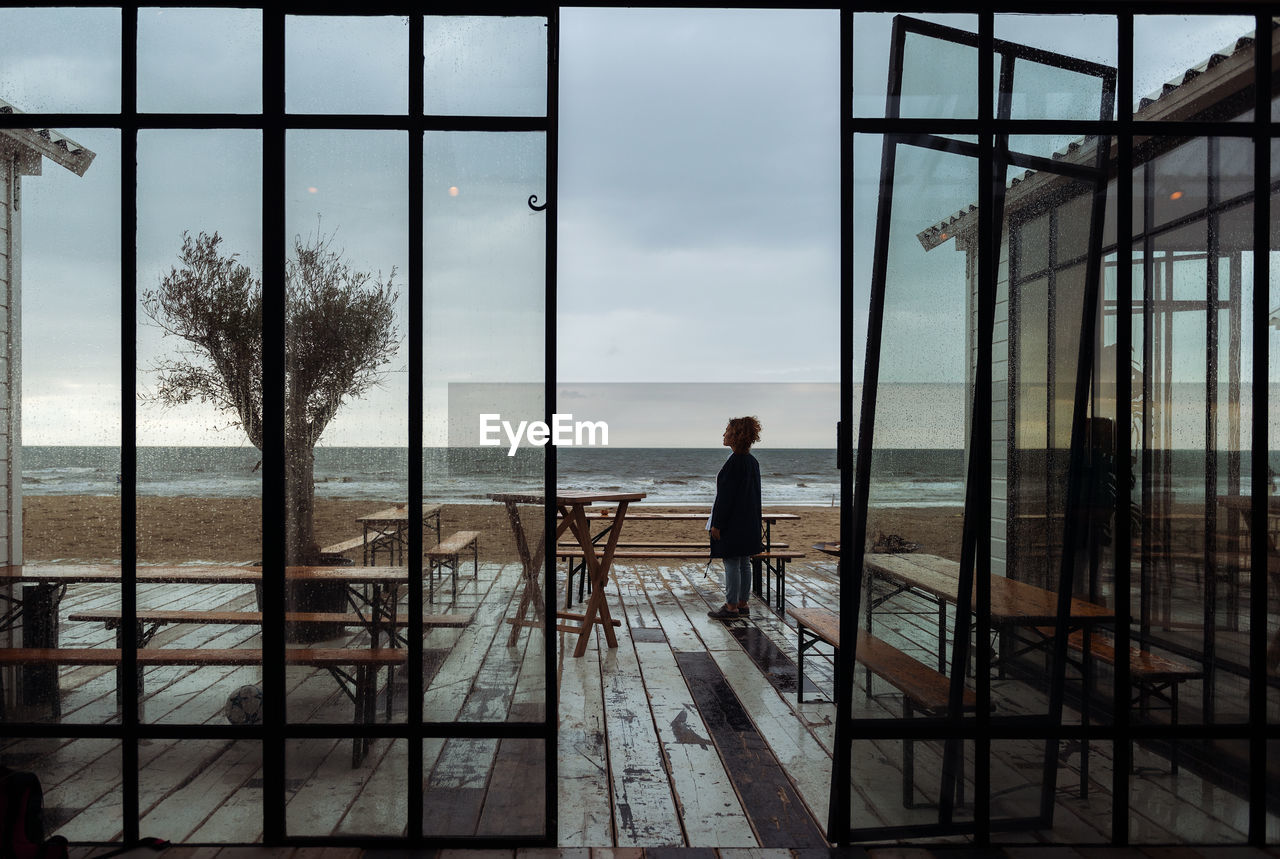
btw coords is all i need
(908, 760)
(1085, 679)
(1173, 723)
(800, 664)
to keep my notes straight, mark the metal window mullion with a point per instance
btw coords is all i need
(1121, 748)
(1210, 624)
(274, 237)
(415, 290)
(840, 790)
(131, 706)
(1259, 441)
(551, 705)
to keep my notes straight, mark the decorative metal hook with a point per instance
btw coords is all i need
(533, 203)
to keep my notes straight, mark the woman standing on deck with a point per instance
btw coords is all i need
(735, 516)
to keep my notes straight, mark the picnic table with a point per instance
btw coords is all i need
(768, 560)
(389, 529)
(572, 507)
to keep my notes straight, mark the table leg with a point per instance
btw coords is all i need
(530, 563)
(598, 570)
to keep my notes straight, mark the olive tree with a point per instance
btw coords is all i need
(339, 333)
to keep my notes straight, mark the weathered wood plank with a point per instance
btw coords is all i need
(775, 810)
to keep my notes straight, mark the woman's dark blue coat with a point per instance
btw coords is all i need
(736, 511)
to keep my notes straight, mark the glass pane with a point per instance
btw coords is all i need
(346, 483)
(336, 64)
(1178, 182)
(484, 306)
(872, 40)
(83, 789)
(328, 797)
(485, 66)
(466, 793)
(199, 487)
(1187, 807)
(59, 415)
(1273, 485)
(939, 78)
(200, 60)
(898, 782)
(1191, 66)
(60, 60)
(202, 791)
(1059, 88)
(1017, 773)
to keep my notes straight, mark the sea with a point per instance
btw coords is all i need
(671, 476)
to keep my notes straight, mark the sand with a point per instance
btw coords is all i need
(175, 530)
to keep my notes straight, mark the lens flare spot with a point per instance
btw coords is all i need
(453, 190)
(313, 190)
(1176, 195)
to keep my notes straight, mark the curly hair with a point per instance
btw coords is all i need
(743, 432)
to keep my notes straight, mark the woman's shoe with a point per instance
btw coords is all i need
(724, 613)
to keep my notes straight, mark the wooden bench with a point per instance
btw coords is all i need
(922, 688)
(153, 619)
(361, 688)
(773, 562)
(1153, 675)
(337, 550)
(445, 556)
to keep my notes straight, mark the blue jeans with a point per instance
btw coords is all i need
(737, 579)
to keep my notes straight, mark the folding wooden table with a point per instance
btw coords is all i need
(573, 517)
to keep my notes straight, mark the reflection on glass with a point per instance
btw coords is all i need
(200, 60)
(1044, 91)
(485, 66)
(328, 801)
(339, 64)
(1176, 58)
(484, 311)
(198, 414)
(60, 60)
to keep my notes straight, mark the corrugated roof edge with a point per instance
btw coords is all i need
(1204, 76)
(54, 145)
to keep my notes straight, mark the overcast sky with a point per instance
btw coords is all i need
(699, 197)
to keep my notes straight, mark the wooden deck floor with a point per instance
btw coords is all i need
(686, 735)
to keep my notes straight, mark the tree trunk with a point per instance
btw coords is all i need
(301, 548)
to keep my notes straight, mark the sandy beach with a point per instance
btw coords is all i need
(181, 529)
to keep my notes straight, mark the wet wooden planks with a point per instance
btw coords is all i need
(775, 811)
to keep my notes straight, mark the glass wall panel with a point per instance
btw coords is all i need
(346, 528)
(201, 791)
(339, 64)
(59, 414)
(922, 96)
(60, 60)
(484, 311)
(329, 797)
(1273, 485)
(198, 415)
(485, 66)
(910, 595)
(200, 60)
(1170, 51)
